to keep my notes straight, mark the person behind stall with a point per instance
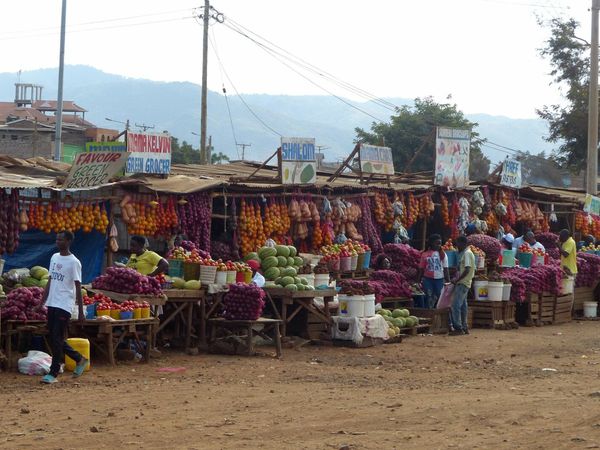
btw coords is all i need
(587, 241)
(145, 261)
(462, 284)
(530, 239)
(471, 229)
(433, 270)
(63, 288)
(568, 253)
(257, 277)
(382, 262)
(507, 241)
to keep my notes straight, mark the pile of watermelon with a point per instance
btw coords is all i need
(279, 265)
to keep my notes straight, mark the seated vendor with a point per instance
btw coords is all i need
(383, 262)
(145, 261)
(257, 277)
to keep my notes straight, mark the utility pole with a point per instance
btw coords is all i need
(205, 17)
(592, 150)
(145, 127)
(244, 149)
(61, 69)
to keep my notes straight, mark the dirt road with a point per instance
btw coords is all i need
(486, 390)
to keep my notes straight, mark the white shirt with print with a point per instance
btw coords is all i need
(64, 272)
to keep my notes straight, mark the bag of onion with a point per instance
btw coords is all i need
(243, 302)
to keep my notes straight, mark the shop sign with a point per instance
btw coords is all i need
(94, 169)
(452, 148)
(148, 153)
(374, 159)
(108, 146)
(511, 173)
(298, 161)
(591, 204)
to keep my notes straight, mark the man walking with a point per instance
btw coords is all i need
(64, 286)
(462, 284)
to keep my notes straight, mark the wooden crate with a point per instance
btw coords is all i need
(563, 308)
(509, 314)
(547, 304)
(581, 295)
(487, 314)
(438, 318)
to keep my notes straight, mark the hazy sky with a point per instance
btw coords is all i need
(482, 52)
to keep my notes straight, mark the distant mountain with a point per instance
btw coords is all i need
(175, 107)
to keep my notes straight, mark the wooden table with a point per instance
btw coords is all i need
(106, 335)
(233, 328)
(118, 297)
(304, 300)
(209, 310)
(18, 327)
(183, 301)
(397, 302)
(362, 274)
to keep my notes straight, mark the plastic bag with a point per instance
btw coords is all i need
(35, 363)
(445, 300)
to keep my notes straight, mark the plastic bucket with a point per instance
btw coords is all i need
(369, 305)
(525, 259)
(352, 305)
(145, 313)
(221, 277)
(360, 262)
(367, 260)
(309, 277)
(231, 274)
(102, 312)
(495, 291)
(126, 315)
(137, 313)
(480, 262)
(176, 268)
(452, 257)
(508, 258)
(334, 265)
(80, 345)
(247, 277)
(191, 271)
(208, 274)
(590, 309)
(115, 314)
(353, 262)
(538, 260)
(90, 311)
(506, 292)
(240, 277)
(321, 280)
(480, 289)
(345, 264)
(567, 286)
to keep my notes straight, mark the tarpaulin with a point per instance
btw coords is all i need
(36, 248)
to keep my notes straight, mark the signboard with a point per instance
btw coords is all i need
(511, 173)
(109, 146)
(591, 204)
(148, 153)
(374, 159)
(452, 146)
(94, 169)
(298, 162)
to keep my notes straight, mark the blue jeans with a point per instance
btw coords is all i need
(433, 290)
(460, 308)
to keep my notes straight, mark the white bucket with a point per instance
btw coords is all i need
(221, 277)
(351, 305)
(310, 278)
(590, 309)
(538, 260)
(321, 279)
(230, 277)
(567, 286)
(369, 301)
(480, 289)
(506, 292)
(495, 291)
(480, 263)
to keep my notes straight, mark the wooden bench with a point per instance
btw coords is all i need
(243, 332)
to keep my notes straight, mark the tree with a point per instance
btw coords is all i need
(570, 72)
(218, 158)
(184, 153)
(412, 130)
(539, 170)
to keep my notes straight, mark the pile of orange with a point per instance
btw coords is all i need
(53, 217)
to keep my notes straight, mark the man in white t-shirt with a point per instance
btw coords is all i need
(64, 286)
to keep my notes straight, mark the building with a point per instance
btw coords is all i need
(27, 126)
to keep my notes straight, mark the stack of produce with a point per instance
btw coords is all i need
(588, 270)
(10, 222)
(387, 283)
(405, 259)
(548, 240)
(252, 234)
(24, 304)
(194, 255)
(398, 319)
(224, 251)
(243, 302)
(383, 211)
(180, 283)
(127, 281)
(490, 246)
(55, 217)
(280, 266)
(536, 280)
(195, 218)
(370, 234)
(38, 277)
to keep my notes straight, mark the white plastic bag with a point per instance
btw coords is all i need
(35, 363)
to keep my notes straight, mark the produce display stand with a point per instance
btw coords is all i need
(182, 302)
(397, 302)
(487, 314)
(106, 335)
(509, 314)
(537, 310)
(563, 308)
(209, 307)
(242, 333)
(353, 274)
(581, 295)
(118, 297)
(17, 328)
(304, 300)
(438, 319)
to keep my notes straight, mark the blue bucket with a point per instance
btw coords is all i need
(90, 311)
(367, 260)
(525, 259)
(452, 256)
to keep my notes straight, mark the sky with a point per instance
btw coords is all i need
(484, 53)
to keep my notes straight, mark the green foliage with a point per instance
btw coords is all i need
(570, 68)
(413, 129)
(183, 153)
(218, 158)
(539, 170)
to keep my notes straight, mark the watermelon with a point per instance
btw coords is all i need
(285, 281)
(304, 281)
(290, 261)
(30, 282)
(292, 287)
(265, 252)
(298, 261)
(272, 273)
(293, 251)
(251, 255)
(268, 262)
(178, 283)
(281, 250)
(38, 272)
(310, 288)
(300, 287)
(282, 261)
(288, 272)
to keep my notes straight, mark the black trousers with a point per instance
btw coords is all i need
(58, 321)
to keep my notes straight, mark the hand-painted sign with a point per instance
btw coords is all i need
(452, 148)
(94, 169)
(375, 159)
(511, 173)
(298, 161)
(149, 153)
